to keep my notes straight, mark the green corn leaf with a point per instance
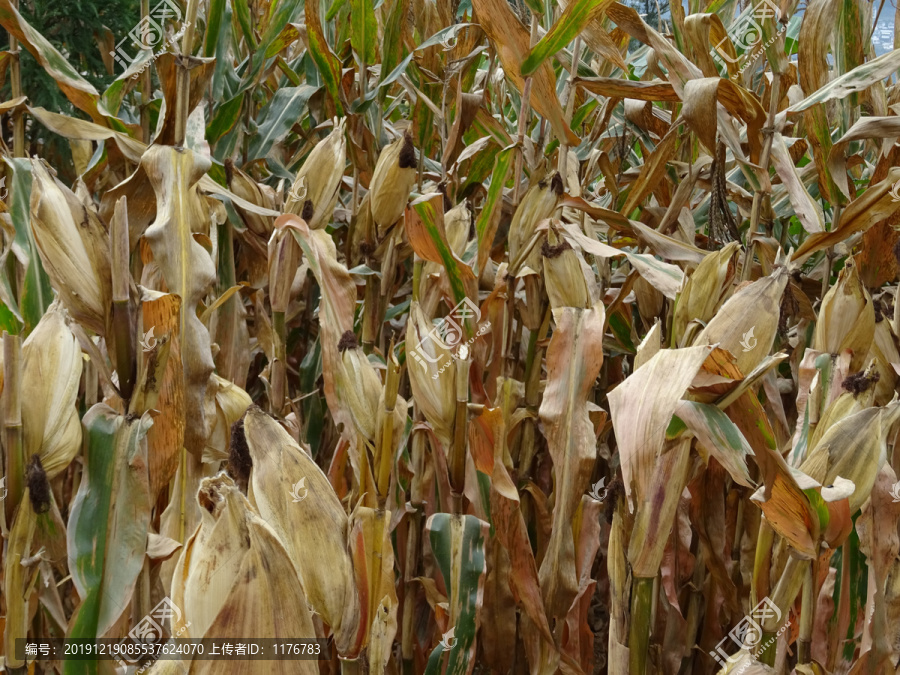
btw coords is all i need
(106, 542)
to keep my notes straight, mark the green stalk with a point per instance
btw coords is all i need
(410, 569)
(385, 456)
(460, 430)
(639, 630)
(527, 444)
(807, 616)
(783, 596)
(693, 613)
(768, 133)
(842, 610)
(12, 423)
(761, 583)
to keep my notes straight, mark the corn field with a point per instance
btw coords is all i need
(465, 336)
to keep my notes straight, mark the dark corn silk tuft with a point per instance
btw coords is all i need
(307, 213)
(407, 159)
(614, 492)
(556, 184)
(857, 383)
(38, 485)
(239, 460)
(348, 341)
(550, 251)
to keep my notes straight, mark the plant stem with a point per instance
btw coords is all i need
(146, 82)
(183, 76)
(384, 461)
(524, 110)
(807, 610)
(12, 423)
(460, 430)
(562, 165)
(769, 132)
(639, 629)
(842, 610)
(15, 81)
(279, 365)
(123, 324)
(783, 597)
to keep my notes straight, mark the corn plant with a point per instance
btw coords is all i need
(462, 336)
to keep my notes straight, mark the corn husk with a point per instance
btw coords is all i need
(359, 389)
(705, 289)
(884, 351)
(246, 188)
(231, 404)
(539, 203)
(314, 193)
(51, 426)
(434, 389)
(392, 181)
(847, 318)
(284, 259)
(74, 247)
(854, 448)
(566, 285)
(746, 324)
(234, 577)
(17, 578)
(313, 529)
(848, 403)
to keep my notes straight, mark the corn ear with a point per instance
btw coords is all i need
(231, 404)
(854, 448)
(539, 203)
(246, 188)
(310, 520)
(50, 421)
(358, 385)
(16, 579)
(433, 389)
(746, 324)
(705, 290)
(234, 577)
(74, 248)
(847, 318)
(392, 181)
(314, 193)
(563, 274)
